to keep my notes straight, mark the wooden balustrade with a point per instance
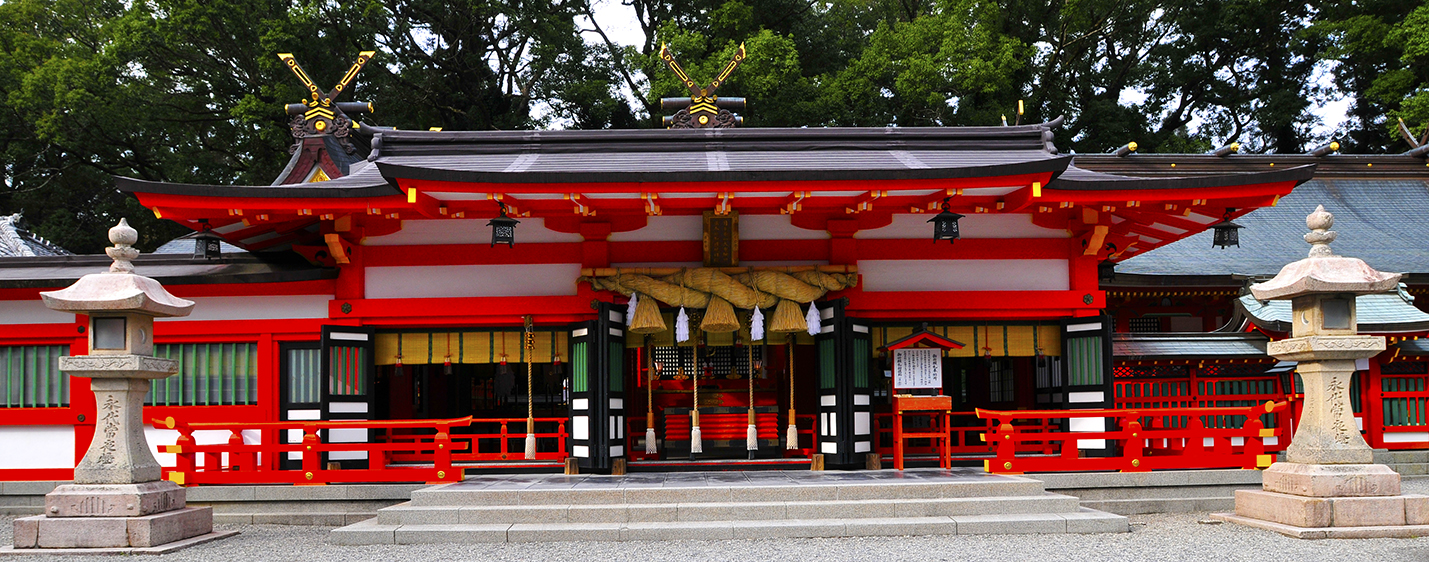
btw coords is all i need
(1135, 447)
(424, 453)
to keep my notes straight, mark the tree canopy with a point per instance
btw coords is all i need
(191, 90)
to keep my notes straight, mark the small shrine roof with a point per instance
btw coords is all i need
(1381, 221)
(1189, 345)
(170, 269)
(1386, 313)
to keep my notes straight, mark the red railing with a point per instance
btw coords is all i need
(1141, 440)
(487, 440)
(429, 442)
(1207, 392)
(1402, 402)
(966, 437)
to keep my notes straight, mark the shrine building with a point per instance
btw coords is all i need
(433, 275)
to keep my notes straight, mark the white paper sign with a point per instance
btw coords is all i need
(918, 367)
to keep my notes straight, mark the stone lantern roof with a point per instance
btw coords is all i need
(119, 289)
(1323, 271)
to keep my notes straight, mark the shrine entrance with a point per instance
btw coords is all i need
(731, 383)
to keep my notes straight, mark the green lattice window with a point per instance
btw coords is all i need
(33, 378)
(210, 374)
(1084, 361)
(580, 369)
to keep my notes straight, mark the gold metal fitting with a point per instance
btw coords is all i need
(1007, 465)
(308, 475)
(441, 474)
(1135, 462)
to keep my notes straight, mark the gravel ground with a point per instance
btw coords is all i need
(1177, 536)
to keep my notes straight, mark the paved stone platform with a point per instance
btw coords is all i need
(722, 505)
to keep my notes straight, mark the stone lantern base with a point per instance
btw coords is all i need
(1331, 501)
(144, 517)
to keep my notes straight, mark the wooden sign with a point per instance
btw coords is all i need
(918, 367)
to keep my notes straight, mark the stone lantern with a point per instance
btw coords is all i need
(117, 500)
(1328, 487)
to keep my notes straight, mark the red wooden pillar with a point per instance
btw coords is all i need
(1082, 276)
(595, 250)
(81, 399)
(1372, 394)
(352, 277)
(843, 249)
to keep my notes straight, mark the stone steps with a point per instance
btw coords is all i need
(1382, 456)
(726, 506)
(719, 511)
(676, 492)
(1406, 463)
(1172, 491)
(1081, 521)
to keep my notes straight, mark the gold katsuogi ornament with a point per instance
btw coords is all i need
(703, 109)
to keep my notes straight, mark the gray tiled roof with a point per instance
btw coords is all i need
(1376, 314)
(18, 242)
(1383, 222)
(1188, 345)
(1415, 347)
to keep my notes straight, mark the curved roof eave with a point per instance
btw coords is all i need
(329, 189)
(1077, 179)
(1053, 165)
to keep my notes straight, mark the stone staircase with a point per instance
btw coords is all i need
(1406, 463)
(740, 505)
(1169, 491)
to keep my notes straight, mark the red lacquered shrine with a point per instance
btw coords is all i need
(373, 287)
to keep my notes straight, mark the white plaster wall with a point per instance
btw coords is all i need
(256, 308)
(964, 275)
(909, 226)
(446, 281)
(682, 227)
(532, 230)
(31, 312)
(37, 446)
(775, 227)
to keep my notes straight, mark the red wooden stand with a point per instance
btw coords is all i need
(940, 409)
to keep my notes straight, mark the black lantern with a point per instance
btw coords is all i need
(503, 228)
(207, 245)
(1225, 232)
(945, 225)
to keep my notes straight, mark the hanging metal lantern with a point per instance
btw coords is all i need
(1226, 232)
(503, 228)
(945, 225)
(207, 245)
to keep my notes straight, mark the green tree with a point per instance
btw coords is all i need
(1382, 51)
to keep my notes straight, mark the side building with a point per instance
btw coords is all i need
(1188, 333)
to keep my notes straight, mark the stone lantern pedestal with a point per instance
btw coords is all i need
(117, 503)
(1328, 487)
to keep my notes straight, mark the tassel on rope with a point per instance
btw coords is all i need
(756, 325)
(682, 321)
(792, 437)
(682, 326)
(650, 399)
(530, 393)
(812, 319)
(695, 445)
(751, 436)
